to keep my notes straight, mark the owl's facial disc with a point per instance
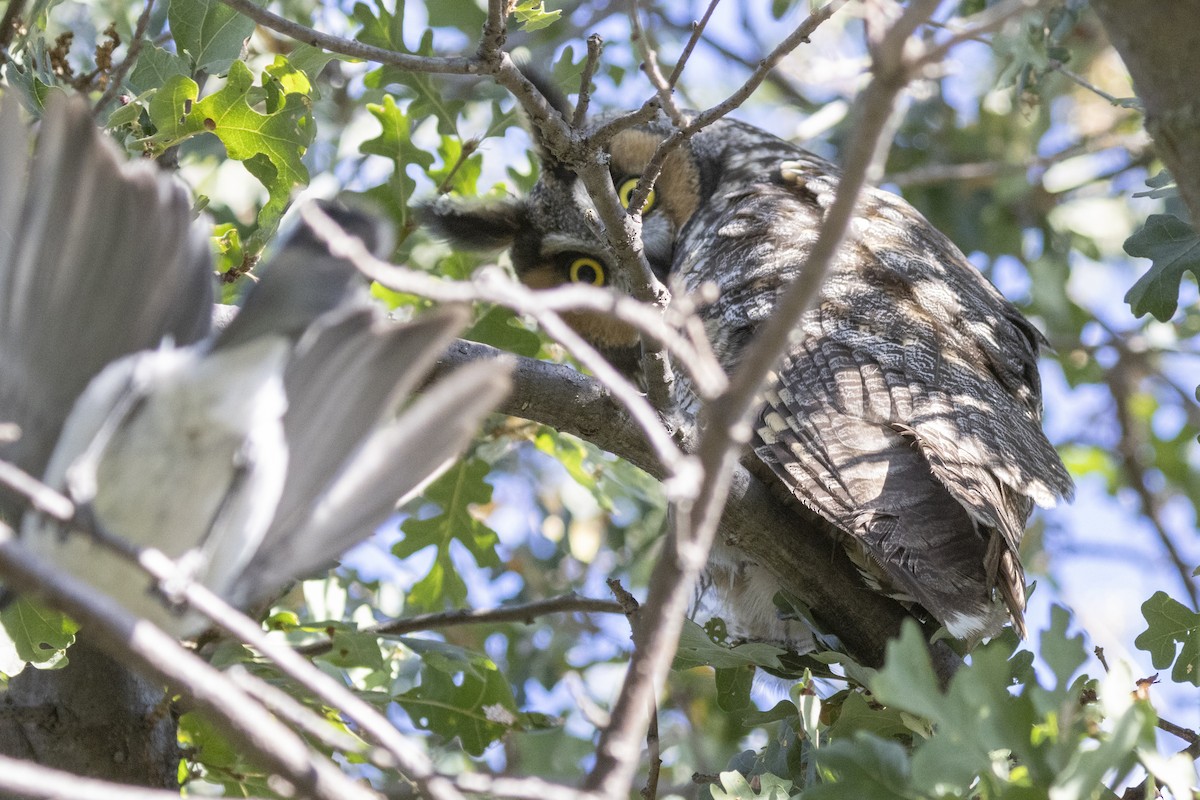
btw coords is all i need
(671, 202)
(562, 262)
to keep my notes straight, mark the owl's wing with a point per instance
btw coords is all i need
(910, 415)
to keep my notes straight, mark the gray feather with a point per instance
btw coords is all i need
(98, 259)
(393, 463)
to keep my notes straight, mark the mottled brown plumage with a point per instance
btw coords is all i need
(906, 421)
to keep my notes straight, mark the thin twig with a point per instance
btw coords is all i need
(1188, 735)
(1078, 79)
(975, 26)
(595, 45)
(1129, 449)
(653, 755)
(468, 149)
(410, 758)
(705, 118)
(283, 705)
(450, 65)
(1099, 651)
(525, 612)
(630, 607)
(131, 54)
(697, 31)
(650, 67)
(495, 31)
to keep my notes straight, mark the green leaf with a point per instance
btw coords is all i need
(170, 110)
(154, 67)
(385, 30)
(123, 115)
(352, 649)
(394, 143)
(907, 681)
(228, 241)
(500, 328)
(1083, 776)
(311, 60)
(532, 15)
(1170, 624)
(269, 145)
(463, 695)
(857, 714)
(35, 634)
(779, 8)
(696, 649)
(733, 689)
(571, 453)
(568, 71)
(466, 15)
(456, 491)
(734, 786)
(285, 79)
(459, 172)
(783, 710)
(865, 766)
(1063, 655)
(210, 32)
(1173, 248)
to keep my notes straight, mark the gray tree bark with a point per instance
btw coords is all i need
(1160, 44)
(93, 717)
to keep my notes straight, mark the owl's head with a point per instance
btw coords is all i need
(554, 234)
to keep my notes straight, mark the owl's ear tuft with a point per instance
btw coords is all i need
(476, 226)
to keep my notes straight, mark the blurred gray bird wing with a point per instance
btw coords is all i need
(98, 259)
(182, 450)
(353, 459)
(302, 281)
(909, 415)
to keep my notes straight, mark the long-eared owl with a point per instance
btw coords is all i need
(906, 419)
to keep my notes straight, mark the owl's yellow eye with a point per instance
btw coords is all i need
(587, 270)
(628, 187)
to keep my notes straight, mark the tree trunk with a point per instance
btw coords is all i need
(1160, 44)
(94, 718)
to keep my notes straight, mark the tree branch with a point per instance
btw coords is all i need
(20, 778)
(146, 648)
(409, 758)
(688, 544)
(705, 118)
(811, 567)
(131, 54)
(1129, 449)
(450, 65)
(524, 612)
